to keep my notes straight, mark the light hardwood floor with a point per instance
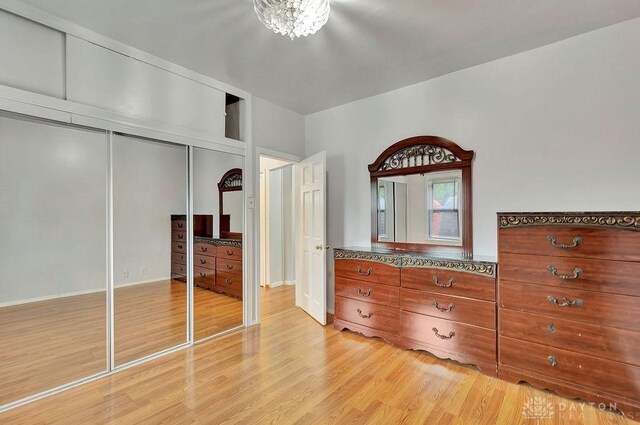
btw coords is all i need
(49, 343)
(290, 370)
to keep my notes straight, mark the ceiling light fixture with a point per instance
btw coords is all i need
(294, 18)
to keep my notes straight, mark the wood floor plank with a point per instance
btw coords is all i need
(291, 370)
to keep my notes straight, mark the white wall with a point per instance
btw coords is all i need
(277, 128)
(281, 234)
(53, 200)
(555, 128)
(277, 257)
(208, 168)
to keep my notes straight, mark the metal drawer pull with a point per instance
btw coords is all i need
(449, 284)
(576, 273)
(565, 302)
(180, 246)
(203, 261)
(361, 273)
(229, 267)
(180, 236)
(365, 316)
(229, 252)
(551, 328)
(576, 241)
(364, 294)
(229, 281)
(443, 309)
(451, 334)
(204, 248)
(203, 274)
(552, 361)
(180, 225)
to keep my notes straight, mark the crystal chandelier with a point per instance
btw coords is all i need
(294, 18)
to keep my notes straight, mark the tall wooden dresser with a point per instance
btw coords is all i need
(569, 304)
(445, 306)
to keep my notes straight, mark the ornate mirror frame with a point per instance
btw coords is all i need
(419, 155)
(231, 181)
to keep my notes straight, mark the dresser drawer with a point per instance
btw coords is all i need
(367, 291)
(179, 269)
(449, 282)
(204, 249)
(204, 277)
(230, 252)
(580, 242)
(204, 261)
(610, 343)
(228, 266)
(588, 371)
(367, 314)
(179, 258)
(180, 247)
(229, 282)
(177, 236)
(180, 225)
(618, 277)
(459, 309)
(451, 336)
(368, 271)
(621, 311)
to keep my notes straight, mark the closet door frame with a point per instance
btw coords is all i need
(110, 129)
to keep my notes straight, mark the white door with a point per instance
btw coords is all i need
(311, 257)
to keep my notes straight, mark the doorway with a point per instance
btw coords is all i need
(277, 274)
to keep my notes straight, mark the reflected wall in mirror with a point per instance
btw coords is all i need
(149, 185)
(217, 259)
(230, 195)
(421, 196)
(53, 268)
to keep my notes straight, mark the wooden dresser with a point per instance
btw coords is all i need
(569, 304)
(445, 306)
(217, 263)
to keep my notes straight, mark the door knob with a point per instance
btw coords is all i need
(318, 247)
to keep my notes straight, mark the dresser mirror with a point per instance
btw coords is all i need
(231, 201)
(421, 196)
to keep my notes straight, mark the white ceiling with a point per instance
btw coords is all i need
(367, 47)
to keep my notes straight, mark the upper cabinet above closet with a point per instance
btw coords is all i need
(32, 56)
(100, 77)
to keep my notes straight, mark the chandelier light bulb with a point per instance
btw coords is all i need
(295, 18)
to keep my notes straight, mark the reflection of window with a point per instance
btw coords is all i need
(382, 220)
(443, 207)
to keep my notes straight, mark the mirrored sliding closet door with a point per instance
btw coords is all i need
(53, 255)
(217, 251)
(149, 249)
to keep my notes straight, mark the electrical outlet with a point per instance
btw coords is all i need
(126, 273)
(144, 271)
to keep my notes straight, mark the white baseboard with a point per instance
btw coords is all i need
(76, 293)
(281, 283)
(141, 282)
(51, 297)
